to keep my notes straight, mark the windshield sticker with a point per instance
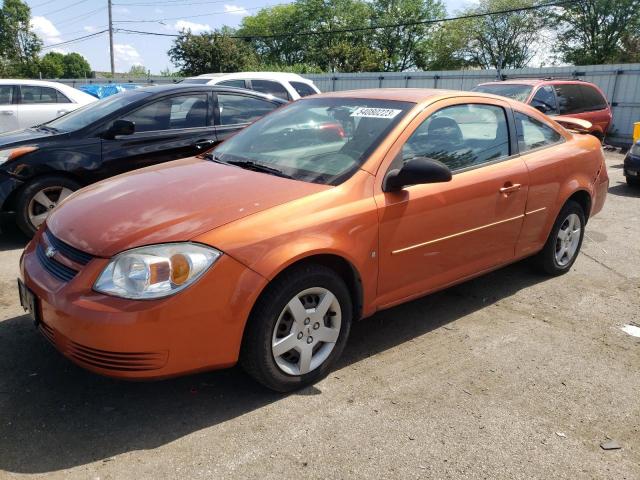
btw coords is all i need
(368, 112)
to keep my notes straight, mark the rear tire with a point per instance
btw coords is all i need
(38, 198)
(306, 310)
(564, 242)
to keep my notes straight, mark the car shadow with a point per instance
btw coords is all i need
(623, 190)
(11, 238)
(56, 415)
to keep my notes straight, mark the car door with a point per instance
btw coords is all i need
(8, 109)
(168, 128)
(235, 111)
(435, 234)
(39, 104)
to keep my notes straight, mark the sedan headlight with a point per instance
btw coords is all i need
(13, 153)
(635, 149)
(155, 271)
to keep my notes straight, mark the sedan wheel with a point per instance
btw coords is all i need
(306, 331)
(568, 239)
(44, 201)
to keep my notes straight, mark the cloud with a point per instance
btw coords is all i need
(46, 30)
(89, 29)
(158, 10)
(126, 55)
(194, 27)
(235, 10)
(122, 10)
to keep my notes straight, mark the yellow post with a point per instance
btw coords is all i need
(636, 132)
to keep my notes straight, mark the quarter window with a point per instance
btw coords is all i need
(6, 94)
(233, 83)
(592, 98)
(30, 94)
(303, 89)
(569, 98)
(270, 88)
(242, 109)
(461, 136)
(182, 111)
(533, 133)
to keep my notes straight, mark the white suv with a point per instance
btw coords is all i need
(25, 103)
(288, 86)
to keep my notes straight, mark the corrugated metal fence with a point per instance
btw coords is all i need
(620, 83)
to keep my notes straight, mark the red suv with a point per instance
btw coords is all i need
(573, 98)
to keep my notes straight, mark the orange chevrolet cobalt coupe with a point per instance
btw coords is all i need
(265, 250)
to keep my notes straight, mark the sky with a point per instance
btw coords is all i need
(57, 21)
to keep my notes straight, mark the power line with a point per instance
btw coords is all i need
(168, 4)
(360, 29)
(53, 12)
(42, 4)
(73, 40)
(80, 17)
(238, 10)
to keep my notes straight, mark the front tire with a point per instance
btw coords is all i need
(38, 198)
(297, 329)
(633, 181)
(564, 242)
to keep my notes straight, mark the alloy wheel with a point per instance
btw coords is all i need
(44, 201)
(568, 239)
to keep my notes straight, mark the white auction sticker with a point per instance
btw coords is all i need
(369, 112)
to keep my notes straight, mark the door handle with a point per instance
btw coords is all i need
(510, 188)
(7, 112)
(204, 144)
(62, 112)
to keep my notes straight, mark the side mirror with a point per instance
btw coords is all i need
(542, 108)
(120, 127)
(416, 171)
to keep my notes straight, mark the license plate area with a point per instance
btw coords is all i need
(29, 302)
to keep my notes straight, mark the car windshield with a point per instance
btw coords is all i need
(516, 91)
(92, 112)
(320, 140)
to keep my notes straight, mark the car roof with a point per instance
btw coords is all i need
(415, 95)
(536, 81)
(180, 87)
(257, 75)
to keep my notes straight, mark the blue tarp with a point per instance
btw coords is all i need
(107, 89)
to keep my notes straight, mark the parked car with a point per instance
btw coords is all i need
(265, 253)
(41, 166)
(632, 165)
(24, 103)
(574, 98)
(288, 86)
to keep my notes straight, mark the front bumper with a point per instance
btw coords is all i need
(632, 166)
(197, 329)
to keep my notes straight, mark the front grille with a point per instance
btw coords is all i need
(55, 268)
(67, 250)
(121, 361)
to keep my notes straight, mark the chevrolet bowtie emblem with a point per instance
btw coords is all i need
(50, 252)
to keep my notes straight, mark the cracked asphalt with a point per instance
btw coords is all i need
(512, 375)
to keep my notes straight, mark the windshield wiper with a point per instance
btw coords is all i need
(257, 167)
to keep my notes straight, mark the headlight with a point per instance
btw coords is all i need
(635, 150)
(155, 271)
(13, 153)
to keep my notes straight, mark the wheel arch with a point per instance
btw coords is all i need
(11, 201)
(583, 198)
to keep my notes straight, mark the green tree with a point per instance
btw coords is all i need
(211, 52)
(19, 46)
(52, 65)
(403, 48)
(598, 31)
(508, 40)
(445, 48)
(138, 71)
(76, 66)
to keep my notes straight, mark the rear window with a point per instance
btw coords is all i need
(196, 81)
(270, 88)
(303, 89)
(510, 90)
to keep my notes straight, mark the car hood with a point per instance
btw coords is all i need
(28, 135)
(172, 202)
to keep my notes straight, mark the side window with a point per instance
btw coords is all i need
(592, 98)
(233, 83)
(6, 94)
(62, 98)
(241, 109)
(303, 89)
(270, 88)
(30, 94)
(533, 133)
(180, 111)
(569, 98)
(461, 136)
(545, 99)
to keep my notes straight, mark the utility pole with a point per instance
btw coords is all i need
(113, 68)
